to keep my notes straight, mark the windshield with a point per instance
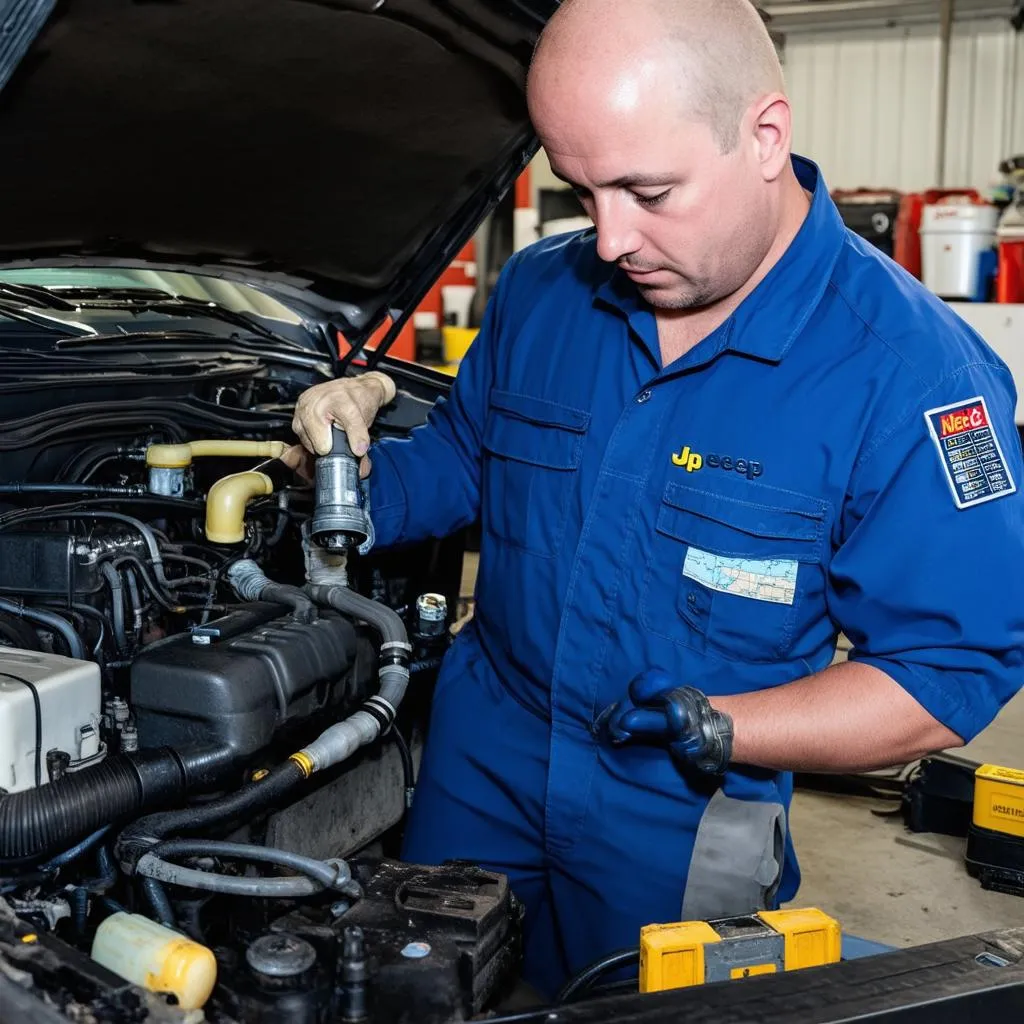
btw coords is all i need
(238, 298)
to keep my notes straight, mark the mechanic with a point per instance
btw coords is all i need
(702, 439)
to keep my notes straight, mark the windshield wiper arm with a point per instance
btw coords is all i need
(35, 295)
(155, 300)
(76, 299)
(203, 307)
(52, 325)
(283, 350)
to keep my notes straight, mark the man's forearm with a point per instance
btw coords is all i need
(851, 717)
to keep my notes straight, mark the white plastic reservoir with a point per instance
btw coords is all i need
(156, 958)
(69, 704)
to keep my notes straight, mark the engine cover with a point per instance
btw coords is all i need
(243, 677)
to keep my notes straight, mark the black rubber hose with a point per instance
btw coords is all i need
(582, 982)
(321, 871)
(116, 584)
(173, 556)
(158, 593)
(93, 506)
(86, 490)
(251, 584)
(135, 601)
(88, 457)
(101, 462)
(76, 851)
(80, 910)
(39, 822)
(56, 622)
(408, 771)
(252, 798)
(159, 902)
(304, 610)
(108, 869)
(382, 618)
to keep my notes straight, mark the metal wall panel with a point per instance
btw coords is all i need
(866, 103)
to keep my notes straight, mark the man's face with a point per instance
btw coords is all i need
(687, 223)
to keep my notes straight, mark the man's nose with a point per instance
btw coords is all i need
(617, 236)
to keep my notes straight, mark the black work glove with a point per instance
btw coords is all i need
(678, 716)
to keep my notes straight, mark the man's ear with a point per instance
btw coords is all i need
(771, 124)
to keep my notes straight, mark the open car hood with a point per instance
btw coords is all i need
(334, 153)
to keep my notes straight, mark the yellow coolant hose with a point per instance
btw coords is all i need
(178, 456)
(227, 501)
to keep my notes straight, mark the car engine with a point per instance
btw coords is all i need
(209, 725)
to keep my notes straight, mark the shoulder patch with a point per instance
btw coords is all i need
(969, 451)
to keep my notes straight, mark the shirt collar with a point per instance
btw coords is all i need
(772, 316)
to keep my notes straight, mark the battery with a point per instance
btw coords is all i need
(995, 839)
(768, 942)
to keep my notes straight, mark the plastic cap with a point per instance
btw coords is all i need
(189, 973)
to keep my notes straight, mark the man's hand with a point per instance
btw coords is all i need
(300, 460)
(352, 403)
(677, 716)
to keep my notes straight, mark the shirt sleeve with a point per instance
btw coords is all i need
(928, 580)
(428, 484)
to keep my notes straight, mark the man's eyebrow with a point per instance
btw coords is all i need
(625, 181)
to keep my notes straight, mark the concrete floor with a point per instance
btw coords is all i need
(878, 879)
(885, 883)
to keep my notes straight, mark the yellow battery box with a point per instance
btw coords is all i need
(995, 839)
(698, 952)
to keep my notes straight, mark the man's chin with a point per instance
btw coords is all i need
(666, 297)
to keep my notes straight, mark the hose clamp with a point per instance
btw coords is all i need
(342, 873)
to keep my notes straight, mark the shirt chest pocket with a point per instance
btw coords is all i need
(741, 577)
(532, 452)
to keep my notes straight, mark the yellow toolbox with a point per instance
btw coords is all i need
(696, 952)
(995, 839)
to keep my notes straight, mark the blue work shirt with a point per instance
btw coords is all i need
(839, 455)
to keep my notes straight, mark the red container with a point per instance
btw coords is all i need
(1010, 282)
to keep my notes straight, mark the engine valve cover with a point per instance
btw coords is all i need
(241, 678)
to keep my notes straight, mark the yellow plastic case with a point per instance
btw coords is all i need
(699, 952)
(999, 799)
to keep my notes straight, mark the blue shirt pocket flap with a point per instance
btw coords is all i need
(535, 430)
(731, 526)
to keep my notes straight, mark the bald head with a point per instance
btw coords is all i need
(668, 118)
(714, 56)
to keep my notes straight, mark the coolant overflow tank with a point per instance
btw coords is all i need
(156, 958)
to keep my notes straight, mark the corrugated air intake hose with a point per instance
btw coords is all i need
(35, 823)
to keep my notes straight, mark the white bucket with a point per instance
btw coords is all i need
(953, 237)
(457, 300)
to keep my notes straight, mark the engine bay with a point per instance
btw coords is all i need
(209, 724)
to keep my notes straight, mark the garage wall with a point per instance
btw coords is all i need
(866, 103)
